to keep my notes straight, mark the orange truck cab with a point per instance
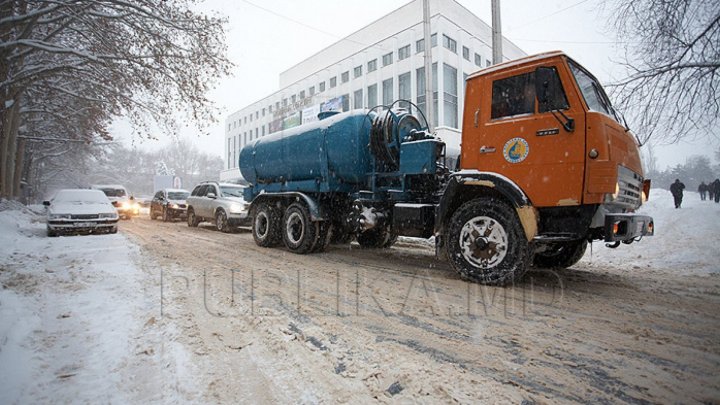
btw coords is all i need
(541, 134)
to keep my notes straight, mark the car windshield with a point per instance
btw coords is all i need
(231, 191)
(114, 192)
(178, 195)
(592, 91)
(80, 197)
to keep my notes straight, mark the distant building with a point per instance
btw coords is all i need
(376, 65)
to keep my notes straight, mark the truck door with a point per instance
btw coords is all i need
(541, 149)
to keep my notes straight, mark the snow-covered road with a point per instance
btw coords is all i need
(166, 313)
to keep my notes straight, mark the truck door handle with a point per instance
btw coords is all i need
(477, 115)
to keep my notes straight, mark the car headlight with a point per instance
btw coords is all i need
(106, 215)
(174, 206)
(59, 216)
(237, 208)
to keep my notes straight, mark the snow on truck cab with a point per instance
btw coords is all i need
(545, 167)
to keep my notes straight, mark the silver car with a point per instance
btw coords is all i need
(80, 210)
(221, 203)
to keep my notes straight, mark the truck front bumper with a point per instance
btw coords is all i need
(626, 227)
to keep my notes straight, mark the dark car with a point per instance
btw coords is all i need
(169, 204)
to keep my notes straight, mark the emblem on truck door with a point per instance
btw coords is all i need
(516, 150)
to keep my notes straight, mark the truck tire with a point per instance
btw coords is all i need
(380, 237)
(299, 233)
(560, 255)
(324, 236)
(221, 221)
(192, 220)
(266, 227)
(486, 242)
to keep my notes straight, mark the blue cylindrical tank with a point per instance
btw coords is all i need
(333, 150)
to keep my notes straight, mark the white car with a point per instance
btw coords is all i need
(125, 203)
(80, 210)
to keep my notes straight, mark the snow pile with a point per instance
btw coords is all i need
(74, 318)
(685, 240)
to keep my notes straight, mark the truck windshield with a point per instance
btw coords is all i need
(592, 91)
(229, 191)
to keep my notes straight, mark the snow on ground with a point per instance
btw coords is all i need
(77, 320)
(685, 240)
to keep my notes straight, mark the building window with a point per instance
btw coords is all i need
(372, 65)
(358, 99)
(263, 130)
(311, 90)
(488, 63)
(345, 77)
(229, 150)
(302, 94)
(387, 87)
(450, 99)
(420, 77)
(466, 53)
(449, 43)
(293, 99)
(357, 72)
(284, 102)
(244, 120)
(404, 52)
(257, 114)
(419, 45)
(387, 59)
(263, 110)
(478, 60)
(372, 96)
(333, 81)
(229, 127)
(277, 105)
(257, 132)
(345, 102)
(404, 89)
(433, 40)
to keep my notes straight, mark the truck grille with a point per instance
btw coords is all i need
(630, 193)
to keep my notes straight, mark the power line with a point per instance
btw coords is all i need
(550, 15)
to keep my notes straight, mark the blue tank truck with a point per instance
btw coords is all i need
(374, 175)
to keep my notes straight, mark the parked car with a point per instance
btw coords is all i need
(169, 204)
(221, 203)
(80, 210)
(125, 203)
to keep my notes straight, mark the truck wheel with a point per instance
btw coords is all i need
(266, 227)
(300, 234)
(377, 238)
(192, 220)
(560, 255)
(325, 231)
(221, 221)
(486, 242)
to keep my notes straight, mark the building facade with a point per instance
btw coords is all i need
(376, 65)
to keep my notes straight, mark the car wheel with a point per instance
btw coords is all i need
(486, 242)
(266, 226)
(52, 233)
(192, 220)
(300, 234)
(114, 229)
(221, 222)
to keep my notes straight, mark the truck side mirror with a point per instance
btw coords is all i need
(545, 85)
(46, 203)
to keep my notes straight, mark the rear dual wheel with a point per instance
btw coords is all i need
(299, 233)
(266, 227)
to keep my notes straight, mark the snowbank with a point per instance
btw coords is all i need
(685, 240)
(74, 317)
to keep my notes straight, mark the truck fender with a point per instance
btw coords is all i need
(466, 185)
(317, 212)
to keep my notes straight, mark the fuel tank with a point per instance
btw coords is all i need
(333, 150)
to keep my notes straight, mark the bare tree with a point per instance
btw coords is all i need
(673, 55)
(143, 59)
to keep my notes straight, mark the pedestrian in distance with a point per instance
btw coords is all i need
(702, 189)
(677, 191)
(716, 189)
(711, 191)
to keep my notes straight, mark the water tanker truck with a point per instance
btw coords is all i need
(546, 165)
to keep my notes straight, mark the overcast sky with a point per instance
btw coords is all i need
(267, 37)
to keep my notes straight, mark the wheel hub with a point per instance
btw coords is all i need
(483, 242)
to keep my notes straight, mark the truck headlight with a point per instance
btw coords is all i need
(108, 215)
(59, 216)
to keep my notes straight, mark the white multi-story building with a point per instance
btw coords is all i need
(378, 64)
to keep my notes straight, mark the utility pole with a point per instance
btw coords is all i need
(496, 33)
(429, 113)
